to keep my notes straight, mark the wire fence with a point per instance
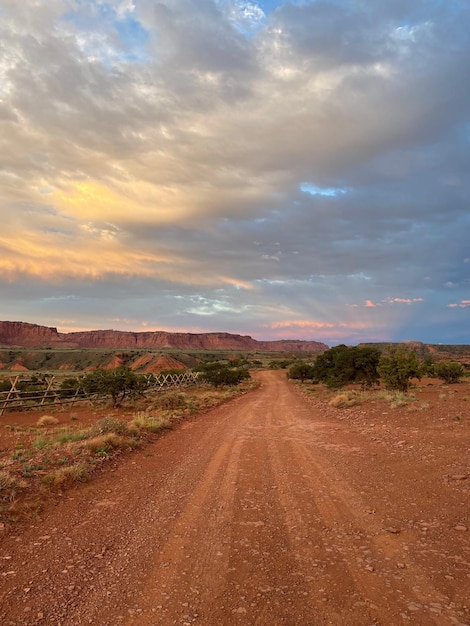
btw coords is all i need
(29, 393)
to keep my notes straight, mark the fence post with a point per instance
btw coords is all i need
(12, 389)
(51, 380)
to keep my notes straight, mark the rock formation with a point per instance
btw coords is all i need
(22, 334)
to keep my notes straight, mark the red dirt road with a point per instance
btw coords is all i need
(270, 510)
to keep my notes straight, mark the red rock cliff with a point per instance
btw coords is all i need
(31, 335)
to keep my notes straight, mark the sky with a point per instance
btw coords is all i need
(280, 169)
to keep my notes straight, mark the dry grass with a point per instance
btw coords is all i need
(76, 473)
(108, 425)
(71, 455)
(47, 420)
(171, 400)
(108, 442)
(396, 398)
(151, 423)
(9, 486)
(346, 399)
(423, 406)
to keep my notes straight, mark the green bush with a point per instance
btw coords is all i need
(119, 384)
(301, 371)
(449, 371)
(398, 367)
(224, 375)
(342, 365)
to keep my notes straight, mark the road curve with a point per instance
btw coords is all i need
(261, 512)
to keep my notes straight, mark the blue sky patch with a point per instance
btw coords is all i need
(314, 190)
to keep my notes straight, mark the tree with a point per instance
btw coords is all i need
(449, 371)
(69, 387)
(365, 363)
(118, 383)
(341, 365)
(398, 367)
(301, 371)
(218, 374)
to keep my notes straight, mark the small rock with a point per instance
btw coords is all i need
(460, 527)
(392, 530)
(459, 477)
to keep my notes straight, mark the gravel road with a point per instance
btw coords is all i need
(270, 510)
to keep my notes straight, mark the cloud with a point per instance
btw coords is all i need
(463, 304)
(405, 300)
(285, 163)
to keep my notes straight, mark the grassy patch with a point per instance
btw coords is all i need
(67, 436)
(76, 473)
(150, 423)
(66, 455)
(346, 399)
(396, 398)
(108, 425)
(10, 485)
(107, 443)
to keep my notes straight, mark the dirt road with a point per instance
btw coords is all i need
(272, 509)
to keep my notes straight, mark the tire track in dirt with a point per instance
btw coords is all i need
(342, 509)
(194, 558)
(245, 515)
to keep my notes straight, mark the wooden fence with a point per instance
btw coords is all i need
(49, 392)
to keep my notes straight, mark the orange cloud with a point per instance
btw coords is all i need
(94, 254)
(121, 202)
(235, 282)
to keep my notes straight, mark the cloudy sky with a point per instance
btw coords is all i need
(283, 169)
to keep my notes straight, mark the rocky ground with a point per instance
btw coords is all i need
(275, 508)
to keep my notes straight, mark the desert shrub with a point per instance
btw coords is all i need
(108, 425)
(106, 443)
(47, 420)
(224, 375)
(78, 472)
(119, 384)
(170, 401)
(69, 387)
(345, 399)
(150, 423)
(281, 364)
(301, 371)
(398, 367)
(9, 486)
(449, 371)
(342, 365)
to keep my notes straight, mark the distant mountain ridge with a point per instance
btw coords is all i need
(26, 335)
